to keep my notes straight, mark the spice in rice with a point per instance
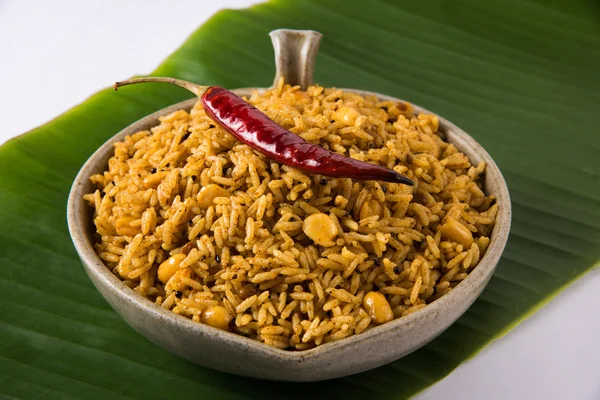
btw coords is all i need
(213, 231)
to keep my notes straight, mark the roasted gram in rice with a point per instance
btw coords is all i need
(211, 230)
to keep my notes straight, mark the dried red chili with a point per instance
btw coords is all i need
(254, 128)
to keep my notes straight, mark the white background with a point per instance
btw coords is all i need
(54, 54)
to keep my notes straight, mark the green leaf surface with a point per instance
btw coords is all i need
(521, 76)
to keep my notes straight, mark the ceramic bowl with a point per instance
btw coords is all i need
(295, 55)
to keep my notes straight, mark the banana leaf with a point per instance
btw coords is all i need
(521, 76)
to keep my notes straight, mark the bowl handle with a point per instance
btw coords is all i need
(295, 55)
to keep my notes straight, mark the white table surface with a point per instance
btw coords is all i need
(54, 54)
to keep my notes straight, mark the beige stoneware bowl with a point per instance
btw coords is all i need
(295, 53)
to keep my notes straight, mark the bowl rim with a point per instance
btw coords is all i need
(93, 264)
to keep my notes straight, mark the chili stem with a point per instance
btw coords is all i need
(192, 87)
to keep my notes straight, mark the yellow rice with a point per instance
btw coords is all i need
(248, 252)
